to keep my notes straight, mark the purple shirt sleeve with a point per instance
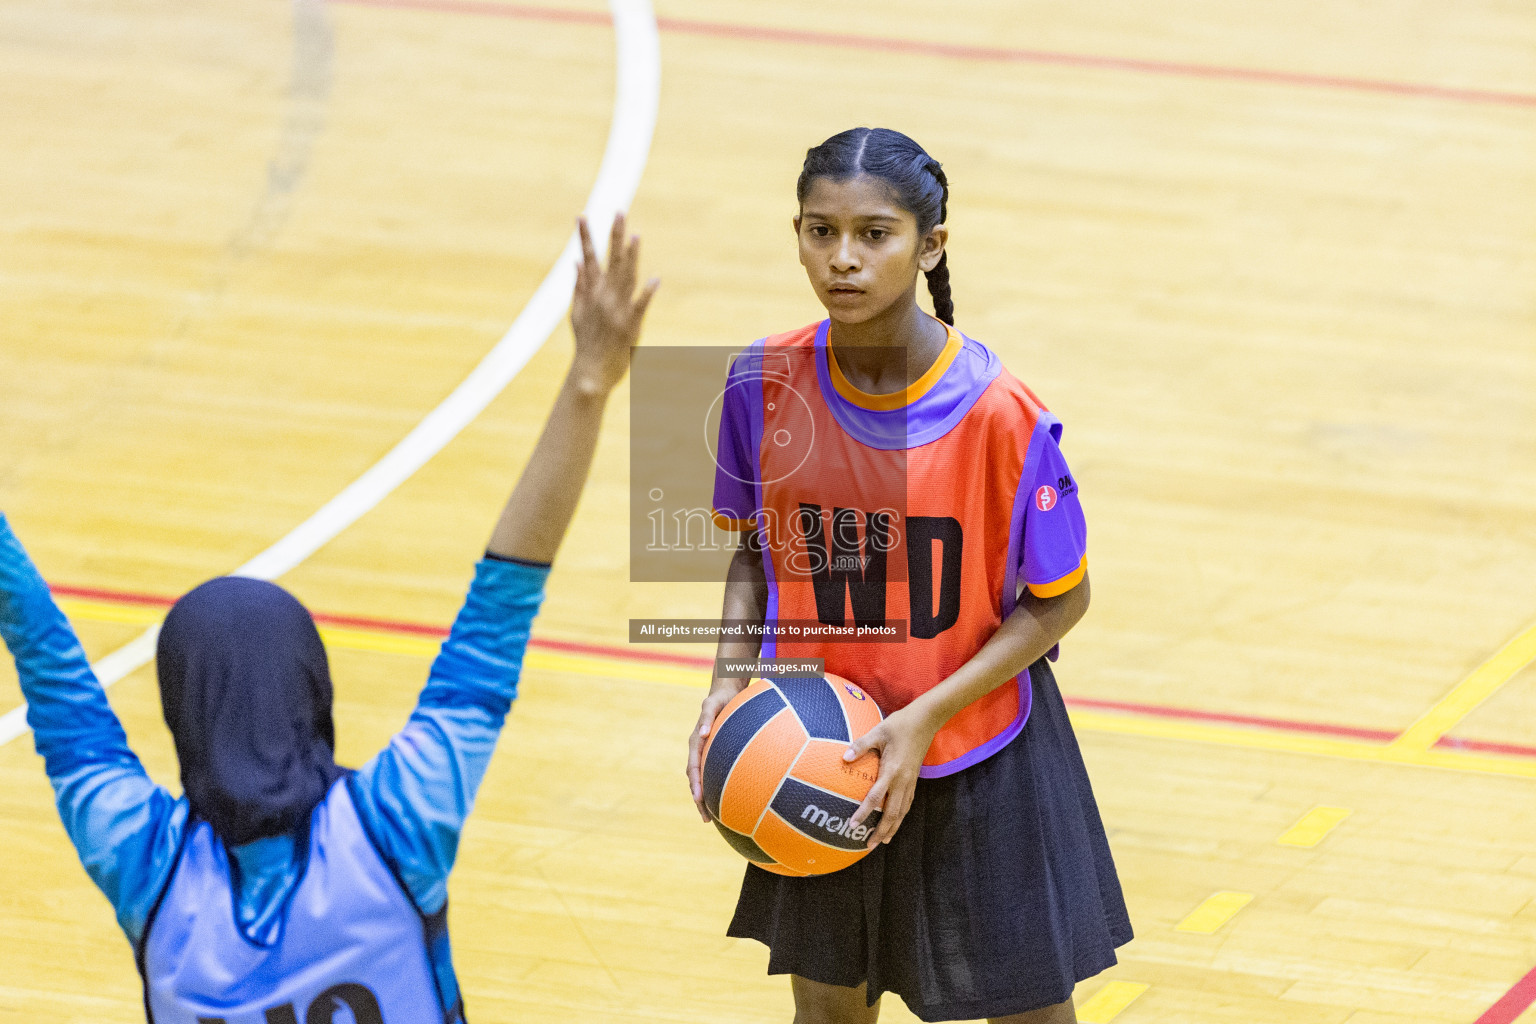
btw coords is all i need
(736, 465)
(1055, 549)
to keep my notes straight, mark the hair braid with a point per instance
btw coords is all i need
(938, 277)
(938, 287)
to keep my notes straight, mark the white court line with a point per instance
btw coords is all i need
(637, 93)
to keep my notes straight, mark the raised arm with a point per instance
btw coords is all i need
(123, 826)
(605, 318)
(416, 794)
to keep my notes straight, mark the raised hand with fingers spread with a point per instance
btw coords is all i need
(605, 310)
(605, 317)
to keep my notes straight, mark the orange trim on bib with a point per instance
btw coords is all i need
(1058, 587)
(725, 522)
(907, 395)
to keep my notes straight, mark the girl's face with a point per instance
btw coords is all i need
(860, 249)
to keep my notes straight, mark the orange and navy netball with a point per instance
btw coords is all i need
(775, 781)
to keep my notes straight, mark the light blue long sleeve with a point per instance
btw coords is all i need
(125, 828)
(413, 796)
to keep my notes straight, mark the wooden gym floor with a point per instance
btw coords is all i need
(1273, 264)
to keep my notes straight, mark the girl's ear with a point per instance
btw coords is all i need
(796, 223)
(932, 248)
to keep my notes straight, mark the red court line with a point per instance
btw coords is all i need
(694, 661)
(1282, 724)
(407, 628)
(120, 596)
(543, 643)
(1513, 1003)
(1490, 746)
(961, 51)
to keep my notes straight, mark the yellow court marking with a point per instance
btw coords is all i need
(552, 661)
(1216, 911)
(1083, 719)
(103, 611)
(379, 643)
(1470, 692)
(1106, 1004)
(1300, 743)
(1313, 826)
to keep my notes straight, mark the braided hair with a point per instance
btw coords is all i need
(917, 179)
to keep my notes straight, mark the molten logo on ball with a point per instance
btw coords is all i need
(837, 826)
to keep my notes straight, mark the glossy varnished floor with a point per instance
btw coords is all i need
(1289, 321)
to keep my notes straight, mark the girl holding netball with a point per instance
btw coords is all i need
(884, 467)
(280, 886)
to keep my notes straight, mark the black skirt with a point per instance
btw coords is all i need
(996, 896)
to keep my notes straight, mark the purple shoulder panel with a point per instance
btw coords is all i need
(737, 486)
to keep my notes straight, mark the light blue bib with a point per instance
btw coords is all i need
(351, 948)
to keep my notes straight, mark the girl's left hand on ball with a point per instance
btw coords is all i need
(902, 740)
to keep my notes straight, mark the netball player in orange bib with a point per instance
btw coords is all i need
(886, 471)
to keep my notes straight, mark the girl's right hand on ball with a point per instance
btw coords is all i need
(720, 693)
